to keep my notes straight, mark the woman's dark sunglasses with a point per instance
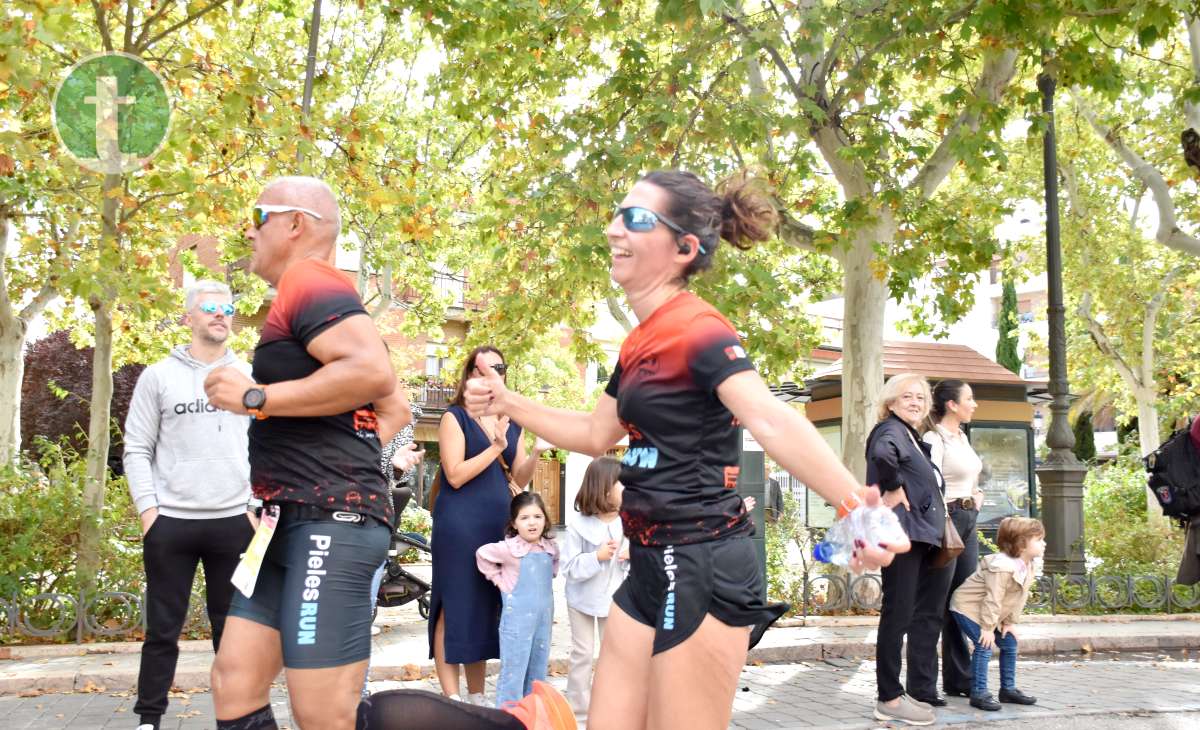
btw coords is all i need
(642, 220)
(500, 368)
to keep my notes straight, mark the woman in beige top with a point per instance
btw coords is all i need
(954, 405)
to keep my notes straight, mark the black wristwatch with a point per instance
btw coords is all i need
(253, 400)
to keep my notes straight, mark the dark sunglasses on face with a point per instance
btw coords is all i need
(261, 213)
(643, 220)
(213, 308)
(500, 368)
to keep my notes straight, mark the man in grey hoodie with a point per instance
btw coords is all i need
(186, 462)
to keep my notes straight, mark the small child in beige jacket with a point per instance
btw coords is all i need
(988, 604)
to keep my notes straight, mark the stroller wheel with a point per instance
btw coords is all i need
(423, 607)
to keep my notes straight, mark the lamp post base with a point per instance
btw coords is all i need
(1062, 514)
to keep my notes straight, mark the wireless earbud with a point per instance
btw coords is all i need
(684, 248)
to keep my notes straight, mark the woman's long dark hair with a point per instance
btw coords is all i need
(468, 364)
(943, 393)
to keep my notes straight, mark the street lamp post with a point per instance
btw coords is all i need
(1061, 474)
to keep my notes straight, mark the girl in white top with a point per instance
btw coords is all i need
(954, 405)
(595, 559)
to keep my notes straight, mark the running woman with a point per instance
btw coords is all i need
(314, 459)
(681, 625)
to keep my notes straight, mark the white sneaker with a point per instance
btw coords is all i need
(905, 712)
(145, 726)
(478, 698)
(456, 698)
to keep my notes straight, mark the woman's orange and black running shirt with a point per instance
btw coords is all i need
(330, 462)
(680, 470)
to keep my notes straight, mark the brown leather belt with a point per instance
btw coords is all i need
(963, 502)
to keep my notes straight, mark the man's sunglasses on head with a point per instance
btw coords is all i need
(213, 308)
(261, 212)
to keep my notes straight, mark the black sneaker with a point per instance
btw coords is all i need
(985, 702)
(1015, 696)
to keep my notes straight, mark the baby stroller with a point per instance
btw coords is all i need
(399, 586)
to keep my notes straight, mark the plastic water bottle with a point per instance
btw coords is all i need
(872, 525)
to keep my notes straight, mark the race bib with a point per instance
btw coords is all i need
(246, 573)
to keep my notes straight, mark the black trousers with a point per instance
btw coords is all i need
(914, 603)
(170, 552)
(956, 651)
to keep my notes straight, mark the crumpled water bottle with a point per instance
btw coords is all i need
(872, 525)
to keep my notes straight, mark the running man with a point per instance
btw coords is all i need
(320, 365)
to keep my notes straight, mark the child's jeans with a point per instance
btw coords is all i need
(980, 656)
(525, 623)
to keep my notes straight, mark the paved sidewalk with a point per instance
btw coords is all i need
(400, 649)
(824, 694)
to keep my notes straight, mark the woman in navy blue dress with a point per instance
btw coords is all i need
(471, 510)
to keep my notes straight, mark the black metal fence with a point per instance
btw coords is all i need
(113, 614)
(1096, 594)
(104, 614)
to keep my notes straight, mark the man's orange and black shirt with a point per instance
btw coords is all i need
(328, 461)
(681, 466)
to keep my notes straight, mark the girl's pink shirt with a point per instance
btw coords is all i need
(500, 562)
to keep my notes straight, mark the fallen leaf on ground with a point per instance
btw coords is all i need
(409, 672)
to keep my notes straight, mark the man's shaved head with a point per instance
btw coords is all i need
(306, 192)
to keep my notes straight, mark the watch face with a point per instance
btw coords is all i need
(254, 398)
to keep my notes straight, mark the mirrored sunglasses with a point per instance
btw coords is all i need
(643, 220)
(213, 308)
(261, 213)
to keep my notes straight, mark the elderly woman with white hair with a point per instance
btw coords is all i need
(914, 591)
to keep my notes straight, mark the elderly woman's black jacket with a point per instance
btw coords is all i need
(897, 457)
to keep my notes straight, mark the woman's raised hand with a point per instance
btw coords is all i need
(500, 435)
(407, 457)
(869, 557)
(483, 394)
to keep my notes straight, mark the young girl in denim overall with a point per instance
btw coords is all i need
(523, 566)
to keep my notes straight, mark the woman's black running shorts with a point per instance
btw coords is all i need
(672, 588)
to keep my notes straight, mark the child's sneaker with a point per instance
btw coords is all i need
(478, 698)
(1015, 696)
(543, 709)
(985, 702)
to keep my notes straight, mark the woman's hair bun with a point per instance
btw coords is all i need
(747, 211)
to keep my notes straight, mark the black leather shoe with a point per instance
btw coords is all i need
(958, 692)
(1016, 697)
(985, 702)
(935, 701)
